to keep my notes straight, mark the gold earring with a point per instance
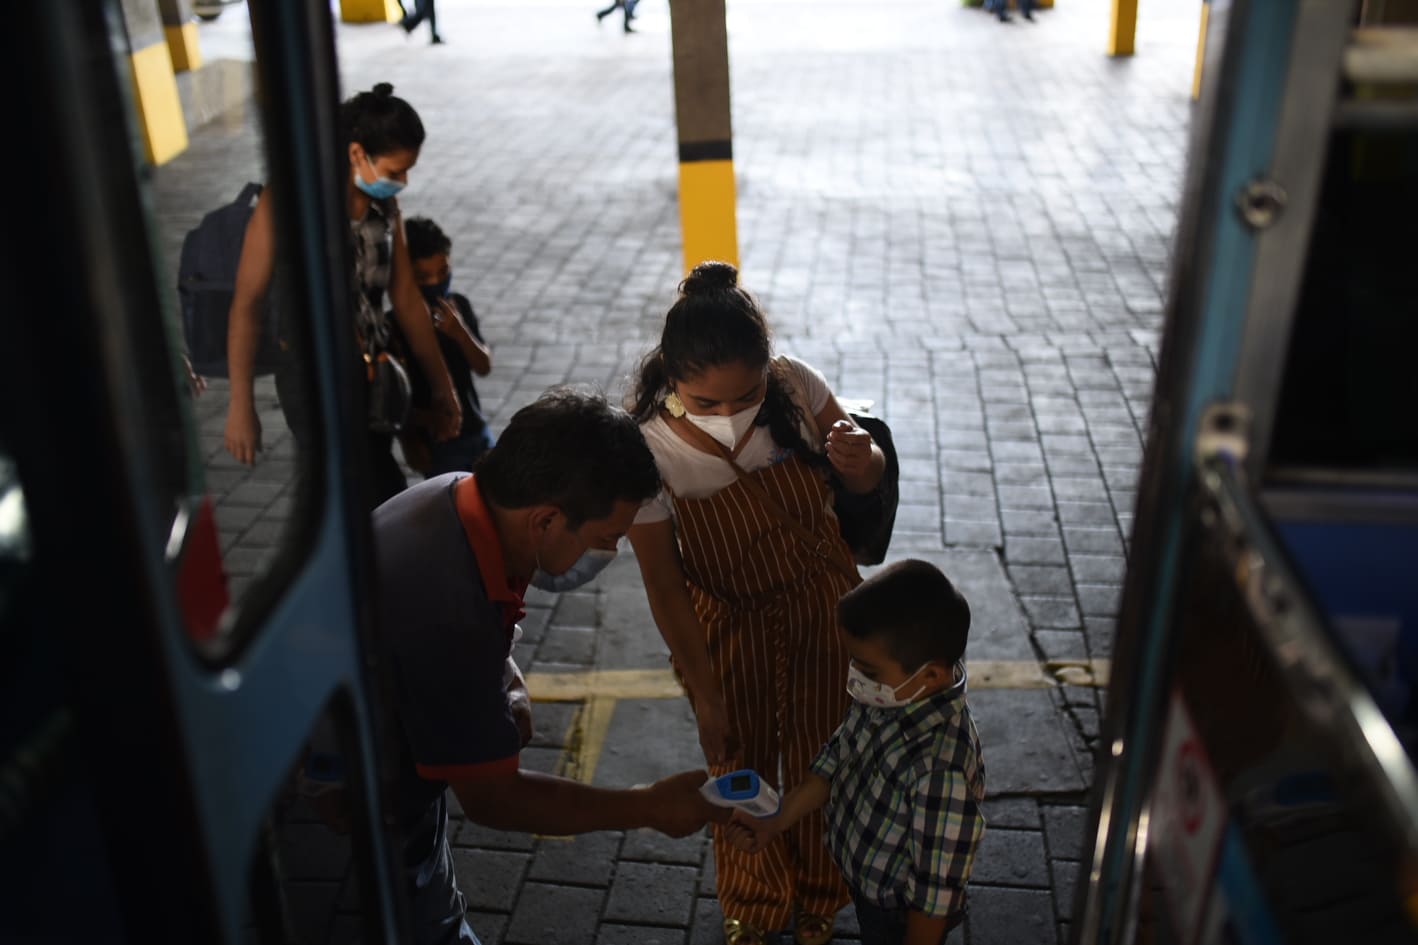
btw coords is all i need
(674, 405)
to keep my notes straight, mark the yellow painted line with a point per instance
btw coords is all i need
(589, 730)
(600, 689)
(611, 683)
(661, 683)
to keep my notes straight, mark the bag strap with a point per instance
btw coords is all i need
(819, 545)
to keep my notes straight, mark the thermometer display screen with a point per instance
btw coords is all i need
(739, 782)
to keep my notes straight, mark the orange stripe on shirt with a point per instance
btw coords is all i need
(479, 771)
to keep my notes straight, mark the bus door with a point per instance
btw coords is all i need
(1256, 780)
(185, 675)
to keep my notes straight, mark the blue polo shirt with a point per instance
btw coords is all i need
(447, 612)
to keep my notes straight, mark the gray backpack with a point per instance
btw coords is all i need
(206, 279)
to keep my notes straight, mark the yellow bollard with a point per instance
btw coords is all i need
(369, 11)
(1122, 28)
(159, 108)
(1200, 49)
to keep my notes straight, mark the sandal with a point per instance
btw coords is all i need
(738, 932)
(812, 929)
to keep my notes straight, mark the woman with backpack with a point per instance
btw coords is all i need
(743, 564)
(382, 134)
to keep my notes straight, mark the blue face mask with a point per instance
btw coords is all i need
(591, 563)
(439, 290)
(382, 188)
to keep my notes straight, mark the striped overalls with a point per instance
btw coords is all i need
(768, 605)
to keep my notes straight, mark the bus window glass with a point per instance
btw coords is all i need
(237, 337)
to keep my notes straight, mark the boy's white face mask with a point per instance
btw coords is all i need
(870, 692)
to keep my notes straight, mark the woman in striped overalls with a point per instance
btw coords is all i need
(745, 594)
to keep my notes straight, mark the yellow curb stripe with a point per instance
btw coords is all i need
(600, 689)
(661, 683)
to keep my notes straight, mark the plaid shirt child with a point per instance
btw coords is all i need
(903, 813)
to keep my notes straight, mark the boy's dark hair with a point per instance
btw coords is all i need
(913, 609)
(380, 121)
(571, 449)
(425, 238)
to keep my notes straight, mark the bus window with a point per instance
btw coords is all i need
(243, 519)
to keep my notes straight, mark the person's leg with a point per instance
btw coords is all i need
(879, 926)
(753, 888)
(388, 478)
(437, 908)
(815, 701)
(602, 14)
(410, 22)
(1026, 9)
(433, 23)
(456, 455)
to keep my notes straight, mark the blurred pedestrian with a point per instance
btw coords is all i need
(423, 10)
(464, 351)
(1001, 9)
(627, 8)
(382, 135)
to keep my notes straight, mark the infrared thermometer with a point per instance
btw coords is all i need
(743, 789)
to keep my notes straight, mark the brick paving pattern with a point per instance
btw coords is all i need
(967, 222)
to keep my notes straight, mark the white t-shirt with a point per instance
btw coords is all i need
(692, 474)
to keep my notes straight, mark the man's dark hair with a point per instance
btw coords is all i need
(425, 238)
(571, 449)
(913, 609)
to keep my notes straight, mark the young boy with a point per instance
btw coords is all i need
(902, 778)
(463, 350)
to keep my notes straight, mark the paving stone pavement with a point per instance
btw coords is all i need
(967, 222)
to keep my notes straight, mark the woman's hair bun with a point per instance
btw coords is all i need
(383, 90)
(710, 276)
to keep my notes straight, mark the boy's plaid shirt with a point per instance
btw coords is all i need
(903, 815)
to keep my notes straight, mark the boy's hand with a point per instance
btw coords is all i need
(749, 833)
(445, 317)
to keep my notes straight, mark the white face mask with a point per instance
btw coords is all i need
(592, 562)
(870, 692)
(727, 430)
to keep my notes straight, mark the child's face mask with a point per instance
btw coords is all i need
(870, 692)
(433, 291)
